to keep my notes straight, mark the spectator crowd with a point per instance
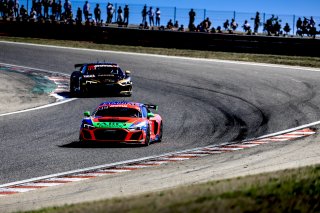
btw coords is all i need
(58, 11)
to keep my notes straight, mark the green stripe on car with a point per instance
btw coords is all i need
(115, 125)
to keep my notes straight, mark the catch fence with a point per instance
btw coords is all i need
(182, 15)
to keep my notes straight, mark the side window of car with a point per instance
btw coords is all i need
(144, 112)
(83, 70)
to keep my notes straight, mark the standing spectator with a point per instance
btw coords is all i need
(34, 5)
(39, 8)
(192, 16)
(1, 8)
(4, 8)
(33, 14)
(158, 13)
(110, 11)
(126, 15)
(97, 13)
(120, 16)
(305, 22)
(11, 8)
(299, 24)
(86, 10)
(45, 8)
(151, 16)
(59, 10)
(312, 23)
(16, 8)
(144, 14)
(256, 22)
(79, 16)
(277, 28)
(23, 13)
(67, 8)
(286, 29)
(53, 10)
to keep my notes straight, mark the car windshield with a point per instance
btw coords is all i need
(110, 70)
(117, 112)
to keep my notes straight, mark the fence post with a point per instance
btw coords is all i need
(293, 25)
(204, 14)
(115, 12)
(234, 15)
(174, 14)
(264, 21)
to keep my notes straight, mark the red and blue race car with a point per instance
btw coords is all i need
(123, 122)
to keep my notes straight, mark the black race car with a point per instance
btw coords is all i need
(102, 78)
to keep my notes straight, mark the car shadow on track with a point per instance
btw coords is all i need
(77, 144)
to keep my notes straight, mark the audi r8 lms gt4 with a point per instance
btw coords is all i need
(123, 122)
(100, 78)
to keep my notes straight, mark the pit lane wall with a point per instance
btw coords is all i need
(164, 38)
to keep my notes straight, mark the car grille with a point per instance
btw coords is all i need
(136, 136)
(86, 134)
(108, 134)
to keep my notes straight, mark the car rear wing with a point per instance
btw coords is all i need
(152, 106)
(78, 65)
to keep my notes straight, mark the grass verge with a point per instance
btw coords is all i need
(295, 190)
(260, 58)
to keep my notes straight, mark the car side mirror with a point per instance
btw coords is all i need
(86, 114)
(127, 72)
(150, 115)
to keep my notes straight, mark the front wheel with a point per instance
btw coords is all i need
(73, 89)
(160, 132)
(147, 139)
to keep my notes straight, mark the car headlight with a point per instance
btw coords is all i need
(88, 126)
(125, 82)
(138, 126)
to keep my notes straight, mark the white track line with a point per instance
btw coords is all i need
(40, 107)
(63, 101)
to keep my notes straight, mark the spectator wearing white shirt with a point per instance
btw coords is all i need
(158, 13)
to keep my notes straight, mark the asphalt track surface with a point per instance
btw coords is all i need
(201, 102)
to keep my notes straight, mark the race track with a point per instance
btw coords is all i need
(202, 102)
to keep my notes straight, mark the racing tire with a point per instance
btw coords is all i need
(160, 132)
(74, 80)
(72, 89)
(83, 91)
(81, 141)
(147, 139)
